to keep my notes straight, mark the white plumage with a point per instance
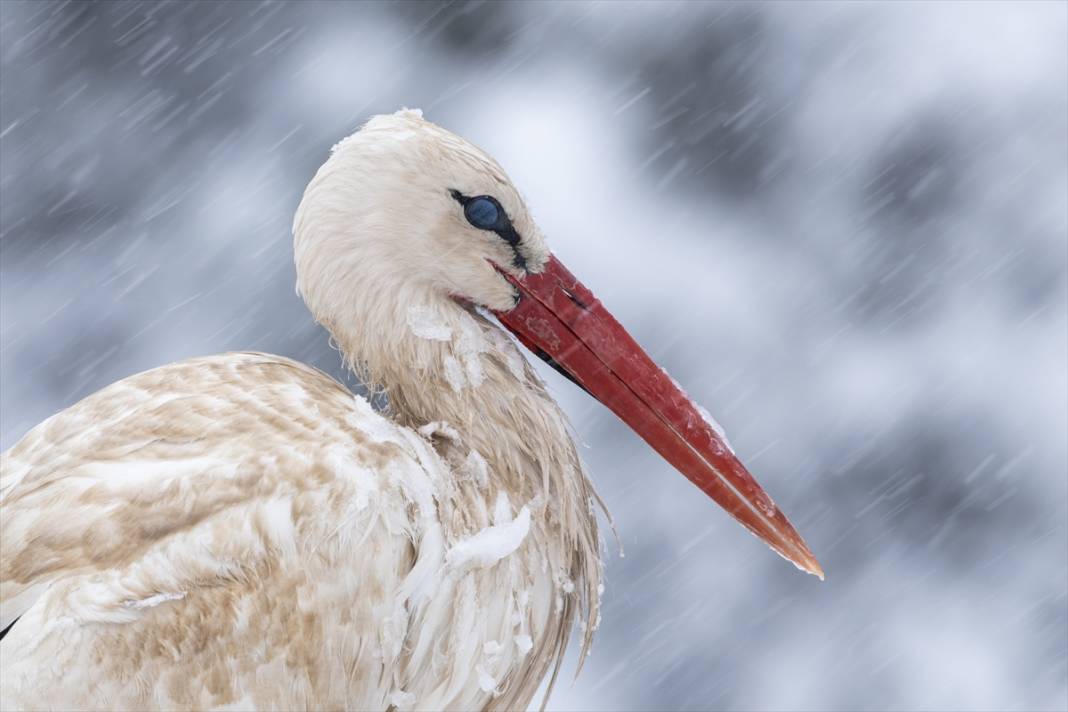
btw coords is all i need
(241, 531)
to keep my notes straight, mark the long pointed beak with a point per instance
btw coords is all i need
(560, 320)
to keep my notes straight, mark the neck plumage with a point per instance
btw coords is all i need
(457, 377)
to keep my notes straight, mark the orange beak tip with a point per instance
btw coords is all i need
(808, 564)
(815, 569)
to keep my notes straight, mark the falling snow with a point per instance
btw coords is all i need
(843, 226)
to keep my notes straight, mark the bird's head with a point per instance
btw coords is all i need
(423, 207)
(405, 207)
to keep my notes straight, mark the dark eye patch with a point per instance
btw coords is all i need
(486, 213)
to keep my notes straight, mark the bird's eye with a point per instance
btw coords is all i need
(483, 212)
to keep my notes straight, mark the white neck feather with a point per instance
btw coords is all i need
(450, 368)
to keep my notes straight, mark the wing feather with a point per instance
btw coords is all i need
(195, 536)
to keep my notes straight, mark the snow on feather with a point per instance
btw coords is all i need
(439, 427)
(478, 468)
(523, 643)
(425, 323)
(153, 601)
(488, 546)
(485, 680)
(469, 346)
(505, 348)
(454, 374)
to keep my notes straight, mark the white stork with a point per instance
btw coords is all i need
(241, 531)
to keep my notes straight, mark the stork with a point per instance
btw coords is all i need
(240, 531)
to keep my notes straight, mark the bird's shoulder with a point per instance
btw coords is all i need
(249, 451)
(221, 408)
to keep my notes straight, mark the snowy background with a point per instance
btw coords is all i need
(841, 227)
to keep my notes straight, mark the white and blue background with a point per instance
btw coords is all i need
(842, 227)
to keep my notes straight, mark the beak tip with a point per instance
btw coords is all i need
(800, 556)
(810, 565)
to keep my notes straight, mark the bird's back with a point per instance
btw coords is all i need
(235, 530)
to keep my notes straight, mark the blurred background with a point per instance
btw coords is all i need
(842, 227)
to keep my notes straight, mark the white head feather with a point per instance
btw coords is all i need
(383, 200)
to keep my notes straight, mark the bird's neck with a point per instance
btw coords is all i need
(456, 376)
(448, 365)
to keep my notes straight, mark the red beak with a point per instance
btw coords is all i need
(559, 319)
